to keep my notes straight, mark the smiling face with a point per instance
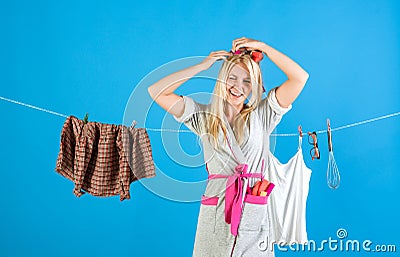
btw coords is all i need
(238, 86)
(239, 80)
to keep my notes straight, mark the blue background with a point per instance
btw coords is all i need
(75, 57)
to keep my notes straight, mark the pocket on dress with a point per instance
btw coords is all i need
(254, 235)
(208, 213)
(254, 214)
(207, 200)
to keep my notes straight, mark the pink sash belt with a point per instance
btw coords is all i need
(234, 194)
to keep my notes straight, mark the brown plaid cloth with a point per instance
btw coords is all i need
(103, 159)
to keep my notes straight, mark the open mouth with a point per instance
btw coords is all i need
(235, 94)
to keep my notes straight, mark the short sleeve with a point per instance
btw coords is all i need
(275, 106)
(270, 111)
(193, 115)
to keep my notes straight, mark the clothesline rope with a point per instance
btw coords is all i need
(188, 131)
(33, 107)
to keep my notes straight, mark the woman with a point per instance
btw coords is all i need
(235, 129)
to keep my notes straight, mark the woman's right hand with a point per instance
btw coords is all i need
(213, 57)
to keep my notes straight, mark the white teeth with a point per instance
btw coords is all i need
(235, 93)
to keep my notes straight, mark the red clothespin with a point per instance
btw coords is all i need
(300, 131)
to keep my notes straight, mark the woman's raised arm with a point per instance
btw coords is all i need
(162, 92)
(288, 91)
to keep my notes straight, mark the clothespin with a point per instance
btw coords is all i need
(134, 122)
(85, 120)
(329, 135)
(300, 131)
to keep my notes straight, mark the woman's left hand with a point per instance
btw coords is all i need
(250, 44)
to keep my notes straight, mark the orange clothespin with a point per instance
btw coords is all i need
(300, 131)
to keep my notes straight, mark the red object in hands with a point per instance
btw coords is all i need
(257, 56)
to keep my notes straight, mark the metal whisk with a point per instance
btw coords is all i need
(332, 173)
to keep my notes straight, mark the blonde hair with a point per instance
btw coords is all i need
(218, 102)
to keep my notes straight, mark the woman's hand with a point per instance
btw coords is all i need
(213, 57)
(288, 91)
(250, 44)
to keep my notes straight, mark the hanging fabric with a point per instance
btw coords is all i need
(103, 159)
(287, 204)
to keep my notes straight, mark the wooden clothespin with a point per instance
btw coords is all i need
(300, 131)
(328, 123)
(85, 120)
